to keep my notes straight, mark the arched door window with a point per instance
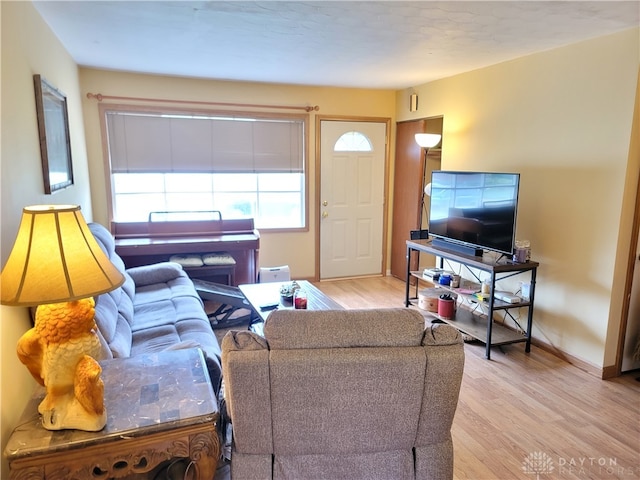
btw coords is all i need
(353, 142)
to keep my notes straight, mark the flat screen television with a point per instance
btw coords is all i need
(474, 211)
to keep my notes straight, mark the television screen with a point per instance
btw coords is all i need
(476, 209)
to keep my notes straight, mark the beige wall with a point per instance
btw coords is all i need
(562, 119)
(295, 249)
(29, 47)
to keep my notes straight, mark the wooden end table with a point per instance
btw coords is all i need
(159, 407)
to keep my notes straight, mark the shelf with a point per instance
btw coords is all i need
(481, 263)
(497, 304)
(470, 298)
(474, 315)
(419, 276)
(476, 326)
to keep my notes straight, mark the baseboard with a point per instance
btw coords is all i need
(337, 279)
(583, 365)
(610, 372)
(591, 369)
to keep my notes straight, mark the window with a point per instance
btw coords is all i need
(353, 142)
(242, 166)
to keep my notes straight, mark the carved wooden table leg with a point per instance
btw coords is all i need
(204, 453)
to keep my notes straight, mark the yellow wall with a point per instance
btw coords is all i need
(562, 119)
(297, 249)
(29, 47)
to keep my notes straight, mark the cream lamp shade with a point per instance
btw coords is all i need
(55, 258)
(427, 140)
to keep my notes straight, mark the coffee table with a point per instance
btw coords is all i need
(259, 294)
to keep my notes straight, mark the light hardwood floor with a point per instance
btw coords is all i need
(527, 416)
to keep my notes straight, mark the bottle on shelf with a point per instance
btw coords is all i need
(486, 287)
(522, 253)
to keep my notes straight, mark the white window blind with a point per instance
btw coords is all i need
(154, 143)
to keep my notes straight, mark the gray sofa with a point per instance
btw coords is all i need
(350, 394)
(157, 308)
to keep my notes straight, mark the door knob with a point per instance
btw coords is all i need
(325, 214)
(325, 203)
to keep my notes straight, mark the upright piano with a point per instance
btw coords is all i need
(144, 243)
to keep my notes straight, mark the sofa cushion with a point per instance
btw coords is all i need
(392, 464)
(395, 327)
(114, 313)
(167, 302)
(155, 273)
(168, 314)
(114, 310)
(314, 408)
(157, 308)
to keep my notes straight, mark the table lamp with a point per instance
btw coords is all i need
(57, 265)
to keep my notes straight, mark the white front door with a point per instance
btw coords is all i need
(351, 198)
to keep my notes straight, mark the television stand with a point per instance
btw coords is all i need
(457, 247)
(474, 323)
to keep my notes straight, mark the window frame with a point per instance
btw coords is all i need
(104, 108)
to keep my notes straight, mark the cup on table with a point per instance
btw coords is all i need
(300, 299)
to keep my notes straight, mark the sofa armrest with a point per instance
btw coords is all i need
(445, 364)
(155, 273)
(444, 349)
(441, 334)
(247, 391)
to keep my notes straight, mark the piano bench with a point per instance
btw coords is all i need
(207, 266)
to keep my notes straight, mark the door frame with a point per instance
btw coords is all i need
(632, 259)
(628, 287)
(318, 182)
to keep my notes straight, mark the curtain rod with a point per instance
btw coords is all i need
(100, 97)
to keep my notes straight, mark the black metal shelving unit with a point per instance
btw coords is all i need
(471, 321)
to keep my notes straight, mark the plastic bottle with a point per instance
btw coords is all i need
(522, 252)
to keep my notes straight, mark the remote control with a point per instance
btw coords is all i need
(269, 306)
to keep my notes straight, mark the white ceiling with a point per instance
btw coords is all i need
(369, 44)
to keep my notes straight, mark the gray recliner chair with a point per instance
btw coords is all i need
(350, 394)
